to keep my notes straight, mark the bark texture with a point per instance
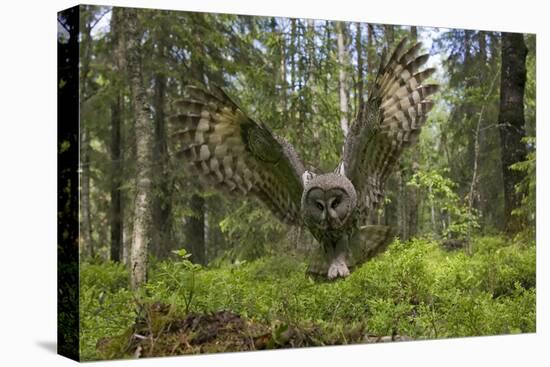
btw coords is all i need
(116, 213)
(87, 245)
(144, 131)
(512, 121)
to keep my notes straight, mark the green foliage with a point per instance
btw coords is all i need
(441, 195)
(106, 305)
(531, 85)
(249, 228)
(176, 279)
(284, 74)
(413, 289)
(527, 188)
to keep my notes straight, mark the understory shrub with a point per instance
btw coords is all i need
(413, 289)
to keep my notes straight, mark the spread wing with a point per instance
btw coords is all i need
(389, 121)
(231, 152)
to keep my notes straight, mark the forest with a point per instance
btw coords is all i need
(171, 266)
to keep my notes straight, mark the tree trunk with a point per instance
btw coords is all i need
(360, 81)
(207, 234)
(300, 72)
(342, 78)
(473, 192)
(116, 180)
(411, 192)
(512, 121)
(311, 52)
(117, 218)
(282, 76)
(389, 33)
(292, 56)
(468, 49)
(327, 52)
(144, 138)
(195, 229)
(371, 54)
(279, 67)
(127, 230)
(402, 207)
(87, 245)
(414, 34)
(312, 74)
(162, 198)
(432, 212)
(482, 42)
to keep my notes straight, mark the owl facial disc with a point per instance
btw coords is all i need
(328, 201)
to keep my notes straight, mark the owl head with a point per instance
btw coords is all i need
(328, 200)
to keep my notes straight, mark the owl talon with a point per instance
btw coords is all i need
(338, 268)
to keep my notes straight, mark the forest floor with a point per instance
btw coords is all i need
(416, 290)
(163, 334)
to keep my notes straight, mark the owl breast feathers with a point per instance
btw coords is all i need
(233, 153)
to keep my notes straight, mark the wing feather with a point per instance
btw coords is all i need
(391, 120)
(231, 152)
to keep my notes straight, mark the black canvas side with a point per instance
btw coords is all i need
(67, 183)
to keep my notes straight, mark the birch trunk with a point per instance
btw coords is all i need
(144, 138)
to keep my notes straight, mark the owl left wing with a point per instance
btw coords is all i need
(389, 121)
(231, 152)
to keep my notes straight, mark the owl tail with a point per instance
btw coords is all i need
(367, 242)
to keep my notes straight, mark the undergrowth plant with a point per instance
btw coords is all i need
(414, 289)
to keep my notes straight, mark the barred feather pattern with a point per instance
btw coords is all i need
(391, 120)
(230, 152)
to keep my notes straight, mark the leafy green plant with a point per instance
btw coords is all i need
(441, 195)
(527, 189)
(176, 279)
(106, 305)
(414, 289)
(250, 229)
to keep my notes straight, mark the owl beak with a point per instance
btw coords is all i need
(333, 219)
(331, 223)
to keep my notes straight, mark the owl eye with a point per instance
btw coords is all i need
(335, 203)
(320, 206)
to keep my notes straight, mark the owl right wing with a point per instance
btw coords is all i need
(231, 152)
(389, 121)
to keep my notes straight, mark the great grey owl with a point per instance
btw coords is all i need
(234, 153)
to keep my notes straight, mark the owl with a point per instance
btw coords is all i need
(233, 153)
